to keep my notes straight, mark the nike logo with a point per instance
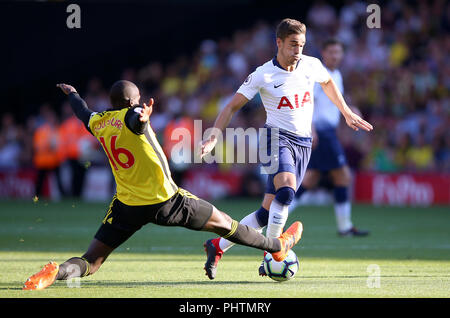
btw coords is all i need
(276, 86)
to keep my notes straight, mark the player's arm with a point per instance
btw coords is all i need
(78, 105)
(353, 120)
(222, 121)
(137, 117)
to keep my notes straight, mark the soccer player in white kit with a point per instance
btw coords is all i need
(328, 157)
(286, 85)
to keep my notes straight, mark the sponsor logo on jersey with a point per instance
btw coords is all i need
(285, 102)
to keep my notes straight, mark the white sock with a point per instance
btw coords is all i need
(343, 213)
(278, 214)
(251, 221)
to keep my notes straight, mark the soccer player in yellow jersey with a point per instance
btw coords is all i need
(146, 192)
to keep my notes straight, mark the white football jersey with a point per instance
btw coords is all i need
(288, 97)
(326, 114)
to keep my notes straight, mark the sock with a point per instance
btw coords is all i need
(254, 220)
(262, 217)
(245, 235)
(342, 209)
(74, 267)
(277, 219)
(279, 211)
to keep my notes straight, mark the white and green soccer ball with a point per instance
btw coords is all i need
(281, 271)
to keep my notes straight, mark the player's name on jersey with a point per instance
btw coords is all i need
(109, 122)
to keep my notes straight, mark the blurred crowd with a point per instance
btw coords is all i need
(397, 76)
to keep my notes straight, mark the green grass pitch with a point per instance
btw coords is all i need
(409, 246)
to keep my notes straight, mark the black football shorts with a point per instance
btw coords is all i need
(182, 209)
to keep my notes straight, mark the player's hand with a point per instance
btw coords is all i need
(207, 146)
(67, 89)
(146, 111)
(355, 122)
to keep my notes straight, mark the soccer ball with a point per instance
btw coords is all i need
(281, 271)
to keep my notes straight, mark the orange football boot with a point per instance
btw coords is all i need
(288, 239)
(42, 279)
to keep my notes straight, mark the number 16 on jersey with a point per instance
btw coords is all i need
(115, 158)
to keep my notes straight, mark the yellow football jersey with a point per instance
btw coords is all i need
(138, 163)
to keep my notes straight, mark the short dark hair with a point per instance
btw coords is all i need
(290, 26)
(331, 41)
(121, 93)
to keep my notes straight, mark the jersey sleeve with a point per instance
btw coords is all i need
(80, 109)
(133, 122)
(251, 85)
(321, 73)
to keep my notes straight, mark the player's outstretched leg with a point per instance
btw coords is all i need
(88, 264)
(222, 224)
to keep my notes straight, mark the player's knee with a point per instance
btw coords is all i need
(310, 180)
(342, 177)
(285, 195)
(344, 180)
(307, 184)
(347, 177)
